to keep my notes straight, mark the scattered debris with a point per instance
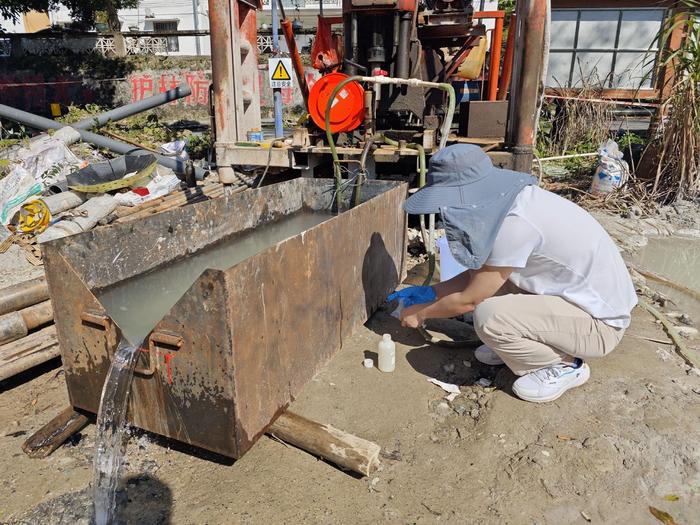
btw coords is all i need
(484, 382)
(447, 387)
(662, 516)
(585, 516)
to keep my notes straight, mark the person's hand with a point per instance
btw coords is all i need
(411, 318)
(414, 295)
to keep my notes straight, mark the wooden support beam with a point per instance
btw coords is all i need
(52, 435)
(24, 294)
(345, 450)
(16, 325)
(28, 352)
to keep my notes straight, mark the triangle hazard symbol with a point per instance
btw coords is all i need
(281, 72)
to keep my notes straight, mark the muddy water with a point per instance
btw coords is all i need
(678, 259)
(136, 305)
(111, 427)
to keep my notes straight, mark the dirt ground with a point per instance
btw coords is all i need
(627, 439)
(603, 453)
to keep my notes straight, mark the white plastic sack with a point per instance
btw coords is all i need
(176, 149)
(157, 187)
(16, 188)
(40, 165)
(611, 172)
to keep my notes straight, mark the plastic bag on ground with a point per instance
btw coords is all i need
(36, 167)
(159, 186)
(177, 149)
(611, 172)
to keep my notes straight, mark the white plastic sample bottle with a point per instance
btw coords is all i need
(387, 354)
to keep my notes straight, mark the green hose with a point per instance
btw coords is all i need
(331, 143)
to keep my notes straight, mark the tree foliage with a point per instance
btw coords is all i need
(83, 12)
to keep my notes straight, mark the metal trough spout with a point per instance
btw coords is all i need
(241, 342)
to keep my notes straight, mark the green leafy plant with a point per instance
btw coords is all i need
(677, 141)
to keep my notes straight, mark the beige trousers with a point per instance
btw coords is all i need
(530, 332)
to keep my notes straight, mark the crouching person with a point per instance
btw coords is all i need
(576, 293)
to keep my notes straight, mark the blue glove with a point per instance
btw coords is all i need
(414, 295)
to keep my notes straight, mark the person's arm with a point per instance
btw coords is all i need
(458, 283)
(480, 285)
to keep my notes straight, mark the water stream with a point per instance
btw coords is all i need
(136, 305)
(111, 427)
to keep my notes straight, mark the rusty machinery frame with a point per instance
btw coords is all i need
(237, 109)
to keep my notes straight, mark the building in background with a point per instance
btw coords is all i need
(610, 44)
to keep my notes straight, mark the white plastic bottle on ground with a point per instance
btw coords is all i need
(387, 354)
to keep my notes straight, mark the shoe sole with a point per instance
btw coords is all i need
(581, 381)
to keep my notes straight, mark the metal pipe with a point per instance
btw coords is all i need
(495, 62)
(506, 73)
(402, 52)
(37, 122)
(288, 31)
(276, 92)
(134, 108)
(527, 70)
(195, 14)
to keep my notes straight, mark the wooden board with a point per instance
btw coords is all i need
(30, 351)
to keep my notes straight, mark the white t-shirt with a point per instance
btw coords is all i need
(557, 248)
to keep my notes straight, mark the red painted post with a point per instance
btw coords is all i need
(507, 71)
(495, 62)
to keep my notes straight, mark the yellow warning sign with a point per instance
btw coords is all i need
(281, 72)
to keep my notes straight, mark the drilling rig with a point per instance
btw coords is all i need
(389, 95)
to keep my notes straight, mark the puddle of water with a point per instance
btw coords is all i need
(677, 259)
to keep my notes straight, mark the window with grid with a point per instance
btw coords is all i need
(610, 48)
(168, 26)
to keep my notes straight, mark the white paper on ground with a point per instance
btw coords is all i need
(447, 387)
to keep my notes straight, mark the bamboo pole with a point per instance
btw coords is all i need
(673, 334)
(345, 450)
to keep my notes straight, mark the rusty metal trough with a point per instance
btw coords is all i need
(241, 343)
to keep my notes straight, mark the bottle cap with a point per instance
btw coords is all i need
(386, 337)
(369, 363)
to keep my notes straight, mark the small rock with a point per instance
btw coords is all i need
(686, 320)
(474, 414)
(545, 453)
(459, 408)
(449, 368)
(484, 382)
(473, 396)
(467, 364)
(687, 331)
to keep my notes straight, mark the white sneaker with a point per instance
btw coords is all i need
(487, 356)
(549, 383)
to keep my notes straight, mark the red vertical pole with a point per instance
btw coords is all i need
(495, 63)
(504, 81)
